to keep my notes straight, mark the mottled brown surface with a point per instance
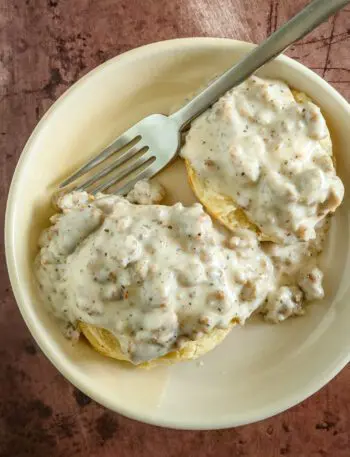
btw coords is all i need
(46, 45)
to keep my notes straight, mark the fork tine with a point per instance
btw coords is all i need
(123, 140)
(124, 173)
(122, 158)
(145, 174)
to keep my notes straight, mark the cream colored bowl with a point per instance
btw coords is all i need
(260, 369)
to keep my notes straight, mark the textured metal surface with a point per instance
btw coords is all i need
(46, 45)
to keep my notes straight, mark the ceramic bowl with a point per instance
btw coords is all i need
(260, 369)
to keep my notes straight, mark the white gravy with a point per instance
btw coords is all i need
(271, 155)
(297, 276)
(155, 276)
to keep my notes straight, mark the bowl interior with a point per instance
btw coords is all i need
(259, 369)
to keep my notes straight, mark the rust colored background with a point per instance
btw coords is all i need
(45, 46)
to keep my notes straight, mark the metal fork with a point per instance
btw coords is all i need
(148, 146)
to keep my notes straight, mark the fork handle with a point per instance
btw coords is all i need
(296, 28)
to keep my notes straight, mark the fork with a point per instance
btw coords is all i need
(148, 146)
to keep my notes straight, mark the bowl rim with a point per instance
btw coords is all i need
(29, 316)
